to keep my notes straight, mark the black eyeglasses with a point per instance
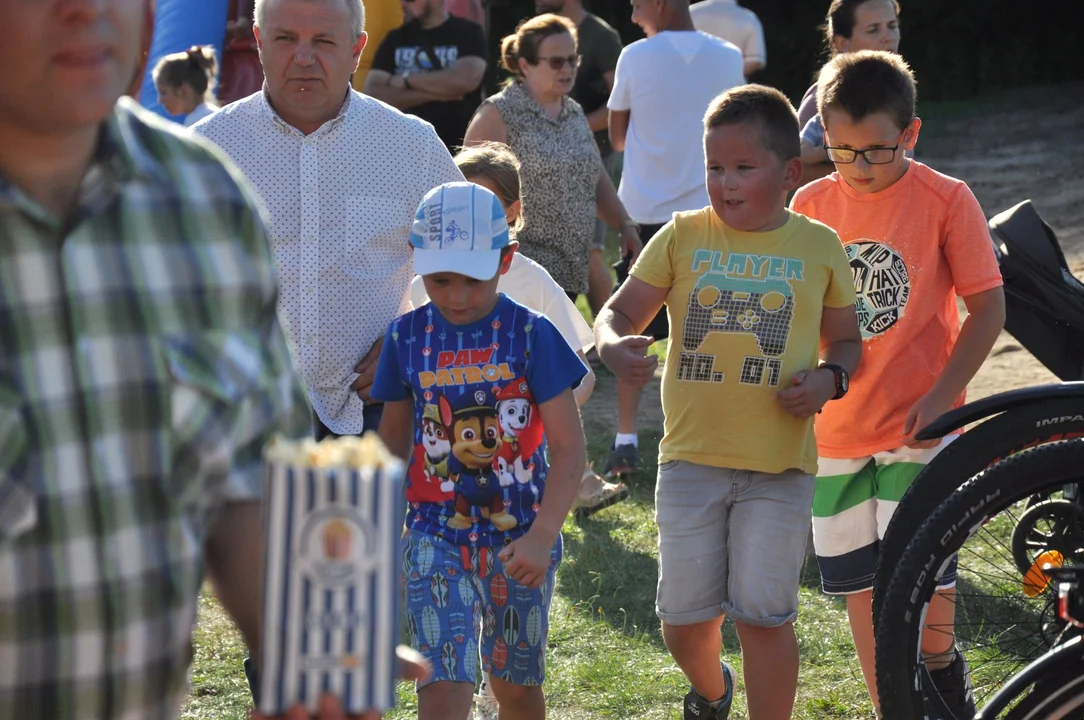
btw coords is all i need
(558, 61)
(873, 156)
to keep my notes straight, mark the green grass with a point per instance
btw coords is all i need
(606, 657)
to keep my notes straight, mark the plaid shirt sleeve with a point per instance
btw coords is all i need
(142, 370)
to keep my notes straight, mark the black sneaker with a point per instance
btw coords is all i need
(953, 682)
(697, 708)
(623, 460)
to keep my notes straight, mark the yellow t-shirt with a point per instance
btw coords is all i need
(745, 316)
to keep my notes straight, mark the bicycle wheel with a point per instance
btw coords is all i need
(981, 446)
(1049, 525)
(1051, 687)
(998, 627)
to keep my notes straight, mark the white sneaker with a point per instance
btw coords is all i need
(485, 704)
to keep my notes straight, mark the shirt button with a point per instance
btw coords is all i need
(310, 238)
(308, 289)
(310, 340)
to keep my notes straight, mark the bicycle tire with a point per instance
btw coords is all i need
(1052, 681)
(951, 524)
(968, 455)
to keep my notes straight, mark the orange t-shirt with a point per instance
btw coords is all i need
(913, 247)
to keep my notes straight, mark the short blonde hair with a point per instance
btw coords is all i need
(495, 162)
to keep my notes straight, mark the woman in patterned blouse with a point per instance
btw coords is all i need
(564, 185)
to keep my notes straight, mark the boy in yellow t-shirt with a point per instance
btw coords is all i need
(916, 239)
(756, 295)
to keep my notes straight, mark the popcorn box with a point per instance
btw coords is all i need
(333, 517)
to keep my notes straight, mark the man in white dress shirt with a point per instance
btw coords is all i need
(340, 175)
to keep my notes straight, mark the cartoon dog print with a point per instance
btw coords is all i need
(428, 474)
(521, 430)
(476, 440)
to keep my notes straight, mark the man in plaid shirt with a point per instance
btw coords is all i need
(141, 372)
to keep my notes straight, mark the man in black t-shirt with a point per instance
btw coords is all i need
(431, 67)
(599, 45)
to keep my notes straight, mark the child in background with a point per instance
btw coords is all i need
(850, 26)
(916, 239)
(762, 303)
(475, 388)
(185, 82)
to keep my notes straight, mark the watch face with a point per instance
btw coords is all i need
(844, 380)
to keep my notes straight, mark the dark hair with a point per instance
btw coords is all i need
(530, 33)
(840, 21)
(195, 66)
(495, 162)
(866, 82)
(764, 106)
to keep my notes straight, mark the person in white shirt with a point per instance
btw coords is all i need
(340, 175)
(727, 20)
(662, 88)
(185, 83)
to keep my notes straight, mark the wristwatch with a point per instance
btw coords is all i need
(629, 222)
(843, 379)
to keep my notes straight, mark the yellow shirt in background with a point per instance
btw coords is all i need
(381, 17)
(745, 316)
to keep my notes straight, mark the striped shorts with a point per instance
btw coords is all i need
(853, 501)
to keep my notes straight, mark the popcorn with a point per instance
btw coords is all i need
(333, 516)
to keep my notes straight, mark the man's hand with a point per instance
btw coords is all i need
(412, 666)
(630, 243)
(366, 370)
(928, 408)
(627, 358)
(808, 392)
(527, 558)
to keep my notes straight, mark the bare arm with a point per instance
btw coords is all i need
(619, 127)
(618, 327)
(984, 322)
(564, 436)
(486, 125)
(234, 560)
(527, 558)
(610, 210)
(397, 427)
(599, 118)
(841, 344)
(377, 85)
(452, 83)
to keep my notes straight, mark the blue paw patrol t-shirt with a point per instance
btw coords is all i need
(478, 468)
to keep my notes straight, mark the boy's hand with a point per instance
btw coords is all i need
(527, 558)
(928, 408)
(412, 666)
(627, 358)
(808, 392)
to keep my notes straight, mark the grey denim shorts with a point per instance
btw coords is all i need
(730, 542)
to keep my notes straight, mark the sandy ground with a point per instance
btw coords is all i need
(1022, 145)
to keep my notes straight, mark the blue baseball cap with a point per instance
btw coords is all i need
(460, 228)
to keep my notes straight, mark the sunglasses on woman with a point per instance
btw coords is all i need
(558, 61)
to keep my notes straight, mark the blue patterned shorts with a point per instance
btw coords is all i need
(461, 604)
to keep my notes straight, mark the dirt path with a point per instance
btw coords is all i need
(1023, 145)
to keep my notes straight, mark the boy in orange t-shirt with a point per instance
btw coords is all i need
(916, 239)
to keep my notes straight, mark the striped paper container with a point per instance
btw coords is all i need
(331, 580)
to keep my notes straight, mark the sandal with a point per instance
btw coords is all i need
(596, 494)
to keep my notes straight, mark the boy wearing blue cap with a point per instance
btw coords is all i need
(475, 387)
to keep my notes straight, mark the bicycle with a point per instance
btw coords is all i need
(1001, 622)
